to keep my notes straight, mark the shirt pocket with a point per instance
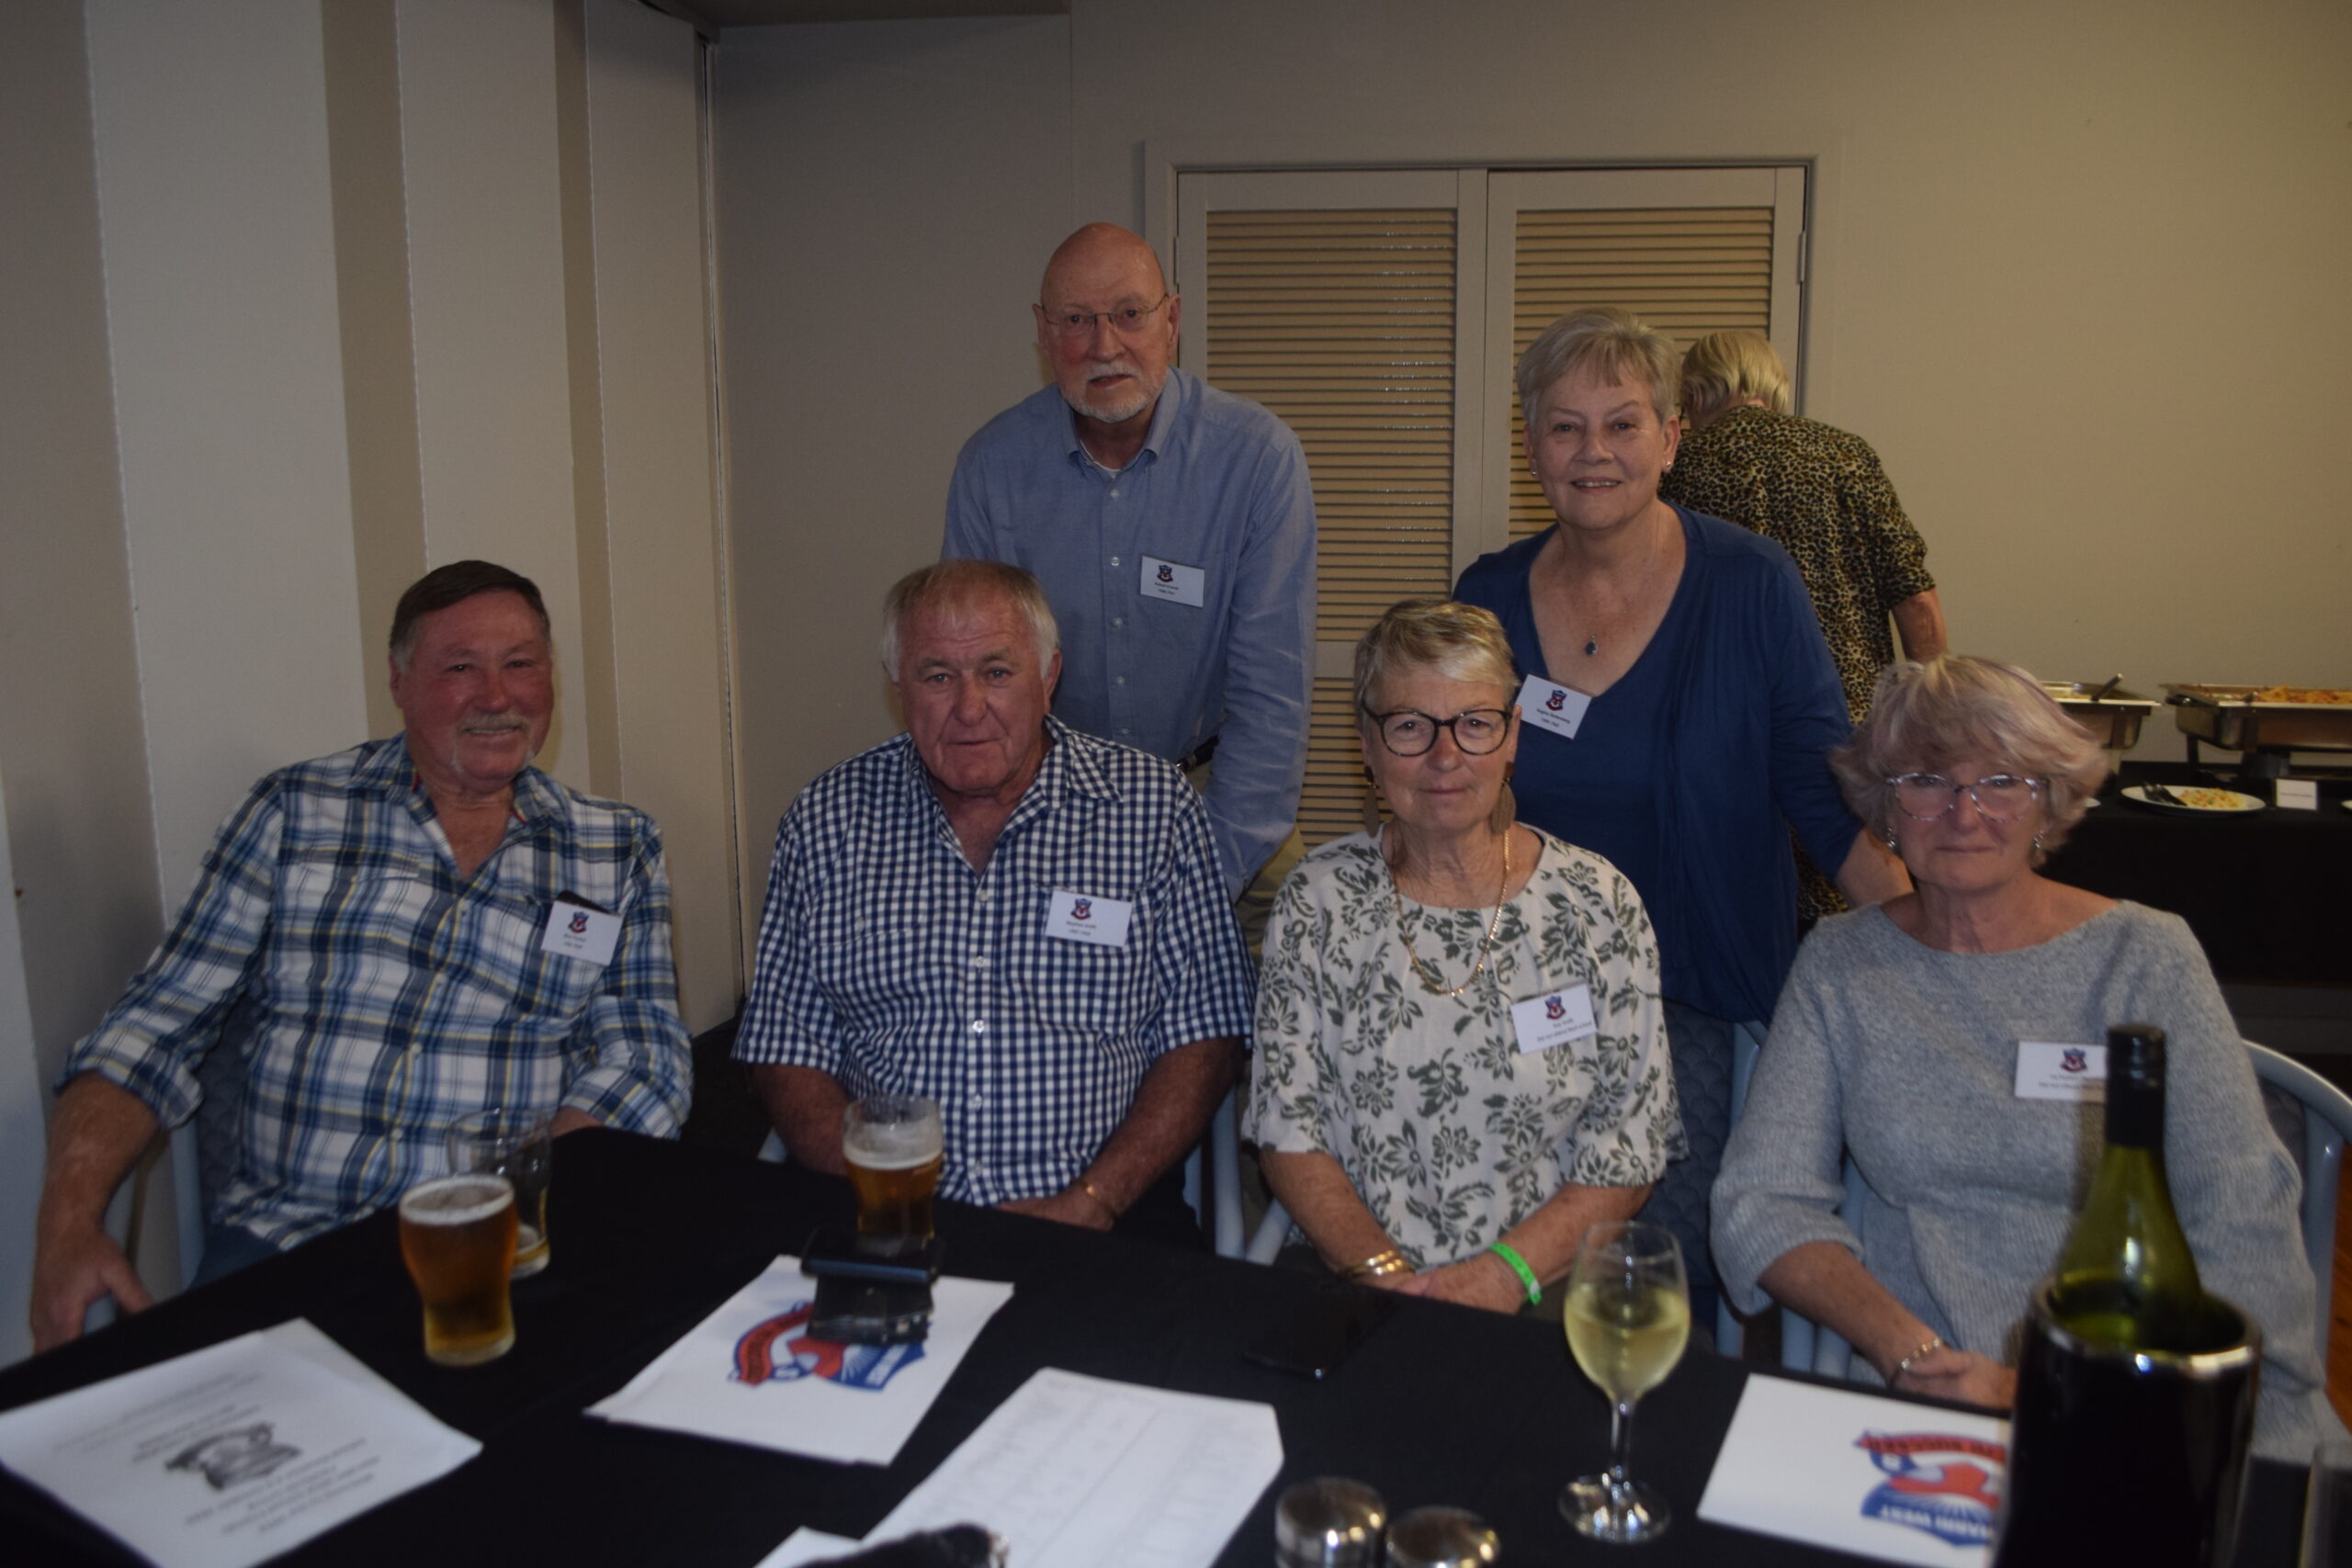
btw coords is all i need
(507, 973)
(1090, 990)
(354, 934)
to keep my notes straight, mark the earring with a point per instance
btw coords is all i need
(2037, 841)
(1371, 802)
(1505, 809)
(1890, 836)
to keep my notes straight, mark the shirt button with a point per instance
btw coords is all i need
(980, 960)
(1118, 620)
(1118, 680)
(980, 1026)
(1114, 561)
(1126, 731)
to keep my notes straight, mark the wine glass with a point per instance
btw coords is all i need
(1628, 1318)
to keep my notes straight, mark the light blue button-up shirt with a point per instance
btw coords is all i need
(1220, 485)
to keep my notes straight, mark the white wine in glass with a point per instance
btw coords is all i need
(1628, 1318)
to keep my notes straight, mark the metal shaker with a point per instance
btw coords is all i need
(1442, 1538)
(1329, 1522)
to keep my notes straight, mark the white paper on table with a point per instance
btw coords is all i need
(1887, 1479)
(1075, 1471)
(809, 1546)
(233, 1454)
(749, 1373)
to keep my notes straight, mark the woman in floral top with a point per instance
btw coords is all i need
(1460, 1062)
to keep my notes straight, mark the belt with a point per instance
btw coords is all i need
(1198, 756)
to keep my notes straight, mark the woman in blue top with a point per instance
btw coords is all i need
(1679, 709)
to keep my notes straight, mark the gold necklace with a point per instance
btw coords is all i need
(1485, 948)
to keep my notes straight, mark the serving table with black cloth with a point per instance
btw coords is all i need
(2268, 894)
(1440, 1404)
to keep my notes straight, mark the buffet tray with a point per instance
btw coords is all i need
(2113, 720)
(2240, 718)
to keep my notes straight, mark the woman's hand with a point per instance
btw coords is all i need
(1485, 1282)
(1963, 1375)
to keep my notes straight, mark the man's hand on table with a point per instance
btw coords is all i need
(71, 1268)
(1070, 1206)
(569, 1120)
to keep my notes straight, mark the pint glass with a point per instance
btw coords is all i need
(457, 1238)
(892, 1145)
(514, 1143)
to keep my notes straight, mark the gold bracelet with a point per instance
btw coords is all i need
(1386, 1261)
(1933, 1343)
(1089, 1189)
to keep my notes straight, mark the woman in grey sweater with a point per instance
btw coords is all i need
(1927, 1036)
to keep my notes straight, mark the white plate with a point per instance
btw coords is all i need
(2239, 806)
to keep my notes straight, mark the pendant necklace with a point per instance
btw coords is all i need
(1485, 948)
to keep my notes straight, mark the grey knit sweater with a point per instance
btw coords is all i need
(1906, 1056)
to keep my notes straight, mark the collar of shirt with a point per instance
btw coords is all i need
(1172, 395)
(1067, 771)
(392, 774)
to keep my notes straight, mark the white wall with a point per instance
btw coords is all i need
(888, 195)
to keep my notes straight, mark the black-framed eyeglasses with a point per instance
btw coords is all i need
(1408, 732)
(1127, 320)
(2002, 798)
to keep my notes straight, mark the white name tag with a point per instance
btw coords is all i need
(1547, 705)
(2300, 794)
(1553, 1018)
(1177, 584)
(1080, 917)
(2049, 1071)
(578, 931)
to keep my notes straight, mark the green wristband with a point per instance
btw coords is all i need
(1526, 1275)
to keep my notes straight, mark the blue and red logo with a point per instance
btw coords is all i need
(2074, 1059)
(1167, 572)
(1081, 908)
(1949, 1486)
(578, 921)
(1555, 702)
(869, 1367)
(1554, 1007)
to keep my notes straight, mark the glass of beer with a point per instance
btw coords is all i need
(893, 1144)
(1628, 1317)
(514, 1143)
(457, 1238)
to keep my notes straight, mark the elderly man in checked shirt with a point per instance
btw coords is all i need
(423, 926)
(1022, 922)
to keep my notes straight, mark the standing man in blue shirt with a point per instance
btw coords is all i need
(1173, 529)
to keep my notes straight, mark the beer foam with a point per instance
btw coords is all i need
(456, 1199)
(892, 1147)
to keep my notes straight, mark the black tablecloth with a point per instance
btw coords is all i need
(1440, 1405)
(2269, 895)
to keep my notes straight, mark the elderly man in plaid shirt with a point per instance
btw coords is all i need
(421, 926)
(1022, 922)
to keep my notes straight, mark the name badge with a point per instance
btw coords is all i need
(581, 930)
(1081, 917)
(1177, 584)
(1547, 705)
(1554, 1018)
(2047, 1071)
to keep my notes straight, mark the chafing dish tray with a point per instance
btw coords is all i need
(2113, 720)
(2251, 718)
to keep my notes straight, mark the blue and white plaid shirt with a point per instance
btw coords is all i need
(394, 997)
(887, 961)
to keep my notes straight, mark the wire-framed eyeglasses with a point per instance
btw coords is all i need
(1127, 320)
(2000, 798)
(1408, 732)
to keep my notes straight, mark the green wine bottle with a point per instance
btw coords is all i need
(2127, 1279)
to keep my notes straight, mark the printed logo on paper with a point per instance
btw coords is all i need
(1949, 1486)
(1554, 1007)
(1557, 701)
(241, 1453)
(867, 1367)
(1081, 908)
(1167, 572)
(579, 922)
(2074, 1060)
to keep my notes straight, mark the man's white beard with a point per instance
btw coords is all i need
(1117, 410)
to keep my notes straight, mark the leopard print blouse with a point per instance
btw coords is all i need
(1820, 494)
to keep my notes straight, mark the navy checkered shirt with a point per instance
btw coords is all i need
(394, 997)
(887, 961)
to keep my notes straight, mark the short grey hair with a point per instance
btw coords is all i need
(1606, 343)
(1925, 716)
(1458, 641)
(1723, 368)
(961, 584)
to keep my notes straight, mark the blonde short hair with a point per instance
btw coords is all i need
(1926, 716)
(1458, 641)
(1723, 368)
(1606, 343)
